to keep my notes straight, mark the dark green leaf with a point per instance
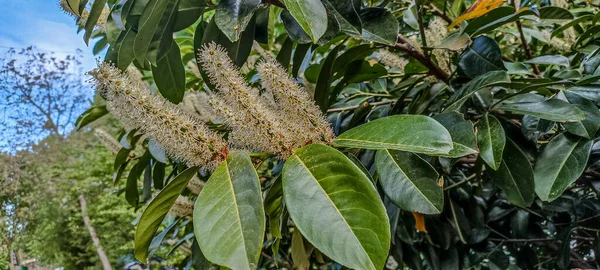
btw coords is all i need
(558, 60)
(188, 13)
(467, 90)
(98, 7)
(156, 25)
(361, 71)
(379, 25)
(169, 75)
(320, 177)
(325, 79)
(232, 16)
(552, 109)
(411, 133)
(229, 218)
(491, 140)
(293, 28)
(90, 116)
(483, 56)
(588, 127)
(156, 212)
(346, 14)
(409, 181)
(461, 131)
(504, 20)
(311, 15)
(561, 162)
(555, 13)
(515, 176)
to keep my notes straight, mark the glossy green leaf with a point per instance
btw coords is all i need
(323, 86)
(462, 133)
(362, 71)
(229, 218)
(515, 176)
(311, 15)
(558, 60)
(467, 90)
(409, 181)
(379, 25)
(491, 140)
(555, 13)
(517, 68)
(169, 75)
(411, 133)
(91, 115)
(188, 13)
(156, 212)
(504, 20)
(232, 16)
(483, 56)
(488, 18)
(98, 7)
(588, 127)
(346, 14)
(294, 29)
(552, 109)
(154, 36)
(561, 162)
(320, 177)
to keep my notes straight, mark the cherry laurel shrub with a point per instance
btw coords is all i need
(361, 134)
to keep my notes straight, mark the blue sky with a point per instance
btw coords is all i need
(41, 23)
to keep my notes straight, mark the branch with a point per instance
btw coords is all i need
(437, 12)
(356, 106)
(536, 70)
(404, 45)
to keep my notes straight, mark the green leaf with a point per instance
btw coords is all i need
(517, 68)
(409, 181)
(455, 42)
(95, 12)
(491, 140)
(361, 71)
(311, 15)
(156, 212)
(555, 13)
(561, 162)
(91, 115)
(411, 133)
(467, 90)
(229, 219)
(188, 13)
(351, 225)
(588, 127)
(238, 51)
(125, 49)
(483, 56)
(74, 5)
(232, 16)
(502, 21)
(558, 60)
(299, 251)
(346, 14)
(462, 133)
(515, 176)
(570, 24)
(131, 188)
(294, 29)
(552, 109)
(158, 153)
(169, 75)
(324, 81)
(379, 25)
(488, 18)
(156, 25)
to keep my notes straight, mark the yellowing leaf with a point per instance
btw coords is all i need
(419, 222)
(479, 8)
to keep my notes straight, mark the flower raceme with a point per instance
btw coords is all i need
(256, 122)
(278, 121)
(181, 135)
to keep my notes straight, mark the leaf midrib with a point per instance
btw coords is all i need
(237, 211)
(336, 209)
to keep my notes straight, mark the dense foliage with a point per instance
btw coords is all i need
(471, 146)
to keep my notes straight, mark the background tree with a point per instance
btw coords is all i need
(40, 95)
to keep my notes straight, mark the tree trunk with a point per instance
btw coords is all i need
(93, 235)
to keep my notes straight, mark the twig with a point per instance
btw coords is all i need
(460, 182)
(437, 12)
(362, 104)
(420, 21)
(404, 45)
(536, 71)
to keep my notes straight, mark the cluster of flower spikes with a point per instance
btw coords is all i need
(256, 122)
(182, 136)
